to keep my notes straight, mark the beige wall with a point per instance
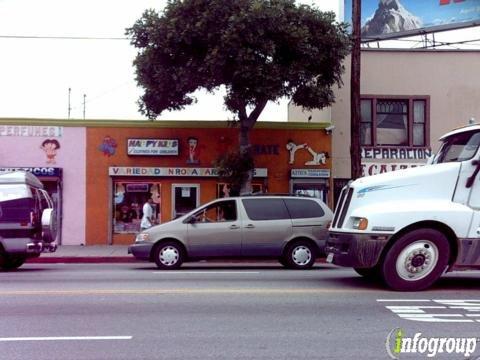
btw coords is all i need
(450, 78)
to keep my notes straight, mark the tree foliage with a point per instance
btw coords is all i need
(233, 168)
(259, 50)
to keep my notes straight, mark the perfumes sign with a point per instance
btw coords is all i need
(152, 147)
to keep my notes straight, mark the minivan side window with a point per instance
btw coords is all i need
(304, 208)
(265, 209)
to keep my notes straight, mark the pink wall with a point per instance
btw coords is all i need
(20, 146)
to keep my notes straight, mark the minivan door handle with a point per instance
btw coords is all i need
(250, 226)
(234, 227)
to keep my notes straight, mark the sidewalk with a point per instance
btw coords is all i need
(86, 254)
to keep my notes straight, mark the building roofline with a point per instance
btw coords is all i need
(157, 123)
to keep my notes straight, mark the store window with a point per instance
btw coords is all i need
(394, 121)
(128, 200)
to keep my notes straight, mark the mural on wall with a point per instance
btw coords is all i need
(318, 158)
(108, 146)
(50, 147)
(193, 150)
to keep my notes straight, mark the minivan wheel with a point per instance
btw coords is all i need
(169, 255)
(416, 260)
(300, 255)
(11, 262)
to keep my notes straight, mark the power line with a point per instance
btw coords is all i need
(61, 37)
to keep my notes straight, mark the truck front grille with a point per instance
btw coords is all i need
(342, 207)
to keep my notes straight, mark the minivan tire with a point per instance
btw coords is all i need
(11, 262)
(169, 255)
(300, 255)
(416, 260)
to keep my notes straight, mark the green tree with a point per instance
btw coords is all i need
(259, 50)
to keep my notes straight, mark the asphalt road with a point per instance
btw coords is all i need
(236, 311)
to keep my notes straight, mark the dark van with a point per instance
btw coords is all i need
(27, 219)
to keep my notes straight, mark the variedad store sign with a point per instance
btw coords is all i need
(310, 173)
(373, 168)
(172, 171)
(152, 147)
(27, 131)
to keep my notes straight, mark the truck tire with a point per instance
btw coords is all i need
(169, 255)
(416, 260)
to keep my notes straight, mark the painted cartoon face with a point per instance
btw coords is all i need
(50, 146)
(192, 143)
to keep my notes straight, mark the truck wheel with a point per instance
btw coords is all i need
(416, 260)
(169, 255)
(299, 255)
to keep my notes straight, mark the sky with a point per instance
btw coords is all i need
(37, 73)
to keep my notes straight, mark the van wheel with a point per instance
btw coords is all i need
(169, 255)
(300, 255)
(416, 260)
(11, 262)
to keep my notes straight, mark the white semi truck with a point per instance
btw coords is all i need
(410, 226)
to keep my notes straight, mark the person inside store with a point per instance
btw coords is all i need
(147, 218)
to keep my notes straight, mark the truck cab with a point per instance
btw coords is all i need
(27, 219)
(410, 226)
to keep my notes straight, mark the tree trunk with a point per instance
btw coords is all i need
(245, 148)
(247, 122)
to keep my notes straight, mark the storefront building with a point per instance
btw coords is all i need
(50, 151)
(172, 162)
(409, 98)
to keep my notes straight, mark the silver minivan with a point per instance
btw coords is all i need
(291, 229)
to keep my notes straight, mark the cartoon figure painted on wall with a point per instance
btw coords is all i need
(318, 158)
(193, 151)
(108, 146)
(292, 148)
(50, 146)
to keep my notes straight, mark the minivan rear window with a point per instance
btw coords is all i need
(304, 208)
(265, 209)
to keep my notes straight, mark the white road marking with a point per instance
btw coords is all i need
(206, 272)
(64, 338)
(403, 300)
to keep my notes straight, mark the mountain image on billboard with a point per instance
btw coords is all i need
(383, 19)
(390, 17)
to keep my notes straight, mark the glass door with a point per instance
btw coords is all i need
(185, 197)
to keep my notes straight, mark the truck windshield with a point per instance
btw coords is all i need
(458, 147)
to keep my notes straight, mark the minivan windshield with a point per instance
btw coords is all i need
(13, 192)
(458, 147)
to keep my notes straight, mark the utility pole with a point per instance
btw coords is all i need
(69, 107)
(355, 110)
(84, 97)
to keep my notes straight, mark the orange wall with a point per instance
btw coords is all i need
(211, 142)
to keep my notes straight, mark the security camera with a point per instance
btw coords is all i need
(329, 129)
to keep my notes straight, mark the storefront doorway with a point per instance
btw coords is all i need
(185, 197)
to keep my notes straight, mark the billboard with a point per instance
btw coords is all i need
(387, 19)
